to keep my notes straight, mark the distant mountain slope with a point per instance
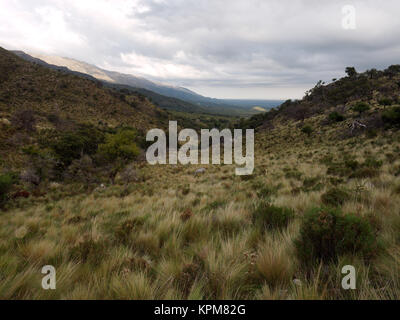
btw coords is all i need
(204, 104)
(26, 85)
(120, 78)
(371, 99)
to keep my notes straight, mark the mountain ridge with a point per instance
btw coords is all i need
(168, 90)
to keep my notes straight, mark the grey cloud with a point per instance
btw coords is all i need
(288, 44)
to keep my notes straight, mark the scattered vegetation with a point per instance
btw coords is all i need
(326, 234)
(75, 193)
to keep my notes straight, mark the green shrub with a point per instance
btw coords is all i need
(335, 197)
(371, 162)
(361, 107)
(312, 184)
(292, 173)
(271, 217)
(6, 182)
(90, 251)
(123, 231)
(308, 130)
(120, 146)
(339, 169)
(336, 117)
(385, 102)
(71, 145)
(326, 234)
(351, 164)
(392, 116)
(265, 191)
(365, 172)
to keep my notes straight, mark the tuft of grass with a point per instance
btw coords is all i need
(269, 217)
(335, 197)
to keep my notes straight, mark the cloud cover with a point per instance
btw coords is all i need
(219, 48)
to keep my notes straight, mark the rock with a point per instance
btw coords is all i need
(21, 233)
(5, 121)
(54, 185)
(200, 171)
(297, 282)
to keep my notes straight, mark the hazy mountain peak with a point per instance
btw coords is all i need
(74, 65)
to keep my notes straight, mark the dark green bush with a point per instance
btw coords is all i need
(351, 164)
(392, 116)
(71, 145)
(365, 172)
(371, 162)
(90, 251)
(120, 146)
(335, 197)
(264, 191)
(312, 184)
(339, 169)
(308, 130)
(6, 182)
(361, 107)
(385, 102)
(326, 234)
(124, 230)
(270, 217)
(336, 117)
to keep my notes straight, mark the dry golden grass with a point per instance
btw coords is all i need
(114, 244)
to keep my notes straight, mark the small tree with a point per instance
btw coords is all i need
(361, 107)
(351, 72)
(336, 117)
(308, 130)
(120, 146)
(385, 102)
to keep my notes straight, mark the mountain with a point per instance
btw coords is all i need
(204, 104)
(28, 85)
(364, 100)
(119, 78)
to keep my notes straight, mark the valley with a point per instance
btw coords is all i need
(77, 193)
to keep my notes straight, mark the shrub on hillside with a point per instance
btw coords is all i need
(336, 117)
(365, 172)
(361, 107)
(385, 102)
(6, 182)
(371, 162)
(120, 146)
(326, 234)
(71, 145)
(24, 120)
(270, 217)
(308, 130)
(335, 197)
(392, 116)
(81, 170)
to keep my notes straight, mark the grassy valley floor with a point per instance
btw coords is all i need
(174, 235)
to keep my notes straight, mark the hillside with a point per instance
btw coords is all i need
(367, 97)
(163, 95)
(324, 194)
(28, 85)
(34, 98)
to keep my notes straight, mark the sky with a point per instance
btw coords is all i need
(249, 49)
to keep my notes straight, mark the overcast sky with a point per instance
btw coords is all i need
(220, 48)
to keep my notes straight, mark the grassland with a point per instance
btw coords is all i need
(76, 193)
(174, 235)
